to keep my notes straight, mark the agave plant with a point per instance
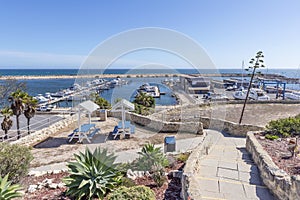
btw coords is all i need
(150, 156)
(92, 175)
(7, 190)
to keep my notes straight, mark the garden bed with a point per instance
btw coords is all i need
(170, 190)
(278, 151)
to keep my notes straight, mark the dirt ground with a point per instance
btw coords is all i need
(57, 148)
(255, 114)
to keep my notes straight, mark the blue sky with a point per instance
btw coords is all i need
(61, 33)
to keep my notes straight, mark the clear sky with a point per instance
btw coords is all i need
(61, 33)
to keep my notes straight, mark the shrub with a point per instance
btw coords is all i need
(15, 160)
(284, 127)
(127, 182)
(158, 175)
(183, 157)
(7, 190)
(92, 175)
(271, 137)
(150, 156)
(132, 193)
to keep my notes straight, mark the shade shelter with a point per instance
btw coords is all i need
(85, 131)
(124, 106)
(86, 107)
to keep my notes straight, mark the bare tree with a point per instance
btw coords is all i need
(7, 87)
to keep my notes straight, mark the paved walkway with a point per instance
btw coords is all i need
(228, 172)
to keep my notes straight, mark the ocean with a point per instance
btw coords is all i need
(41, 86)
(291, 73)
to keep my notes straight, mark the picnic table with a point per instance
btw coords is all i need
(87, 131)
(128, 128)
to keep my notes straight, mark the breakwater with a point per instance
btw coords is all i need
(31, 77)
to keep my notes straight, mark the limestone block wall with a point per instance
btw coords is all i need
(189, 184)
(162, 126)
(44, 133)
(228, 127)
(279, 182)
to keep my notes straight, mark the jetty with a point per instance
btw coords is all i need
(266, 76)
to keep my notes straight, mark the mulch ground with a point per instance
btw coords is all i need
(169, 191)
(276, 149)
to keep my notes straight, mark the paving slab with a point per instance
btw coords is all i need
(237, 175)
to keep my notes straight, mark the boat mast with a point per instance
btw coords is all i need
(243, 73)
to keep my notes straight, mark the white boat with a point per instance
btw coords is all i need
(41, 98)
(254, 94)
(48, 96)
(150, 90)
(44, 108)
(240, 95)
(293, 95)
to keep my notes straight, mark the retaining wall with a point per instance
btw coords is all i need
(162, 126)
(231, 128)
(189, 184)
(44, 133)
(284, 187)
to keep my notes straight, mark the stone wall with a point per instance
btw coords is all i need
(44, 133)
(279, 182)
(189, 184)
(232, 128)
(162, 126)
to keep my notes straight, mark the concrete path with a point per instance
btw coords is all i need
(228, 172)
(182, 145)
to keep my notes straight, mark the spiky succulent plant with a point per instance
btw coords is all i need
(7, 190)
(92, 175)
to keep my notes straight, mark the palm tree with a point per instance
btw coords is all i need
(7, 122)
(102, 103)
(144, 100)
(17, 106)
(30, 108)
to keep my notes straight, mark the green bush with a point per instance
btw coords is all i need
(183, 157)
(14, 160)
(271, 137)
(7, 190)
(132, 193)
(284, 127)
(127, 182)
(150, 156)
(92, 175)
(158, 175)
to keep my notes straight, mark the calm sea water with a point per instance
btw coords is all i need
(292, 73)
(42, 86)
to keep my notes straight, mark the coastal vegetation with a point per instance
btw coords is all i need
(100, 101)
(150, 156)
(134, 193)
(15, 160)
(144, 104)
(94, 174)
(7, 122)
(286, 127)
(8, 190)
(30, 109)
(22, 102)
(16, 98)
